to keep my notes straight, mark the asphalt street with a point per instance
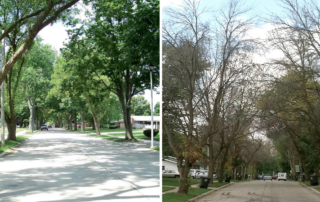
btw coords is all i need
(58, 165)
(263, 191)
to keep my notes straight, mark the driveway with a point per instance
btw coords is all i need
(58, 165)
(264, 191)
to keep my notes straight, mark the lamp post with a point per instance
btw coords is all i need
(2, 95)
(151, 68)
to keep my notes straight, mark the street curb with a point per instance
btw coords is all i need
(207, 193)
(10, 150)
(314, 190)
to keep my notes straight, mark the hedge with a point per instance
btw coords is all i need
(147, 132)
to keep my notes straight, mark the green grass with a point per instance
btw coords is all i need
(10, 143)
(29, 133)
(246, 180)
(307, 182)
(157, 148)
(138, 136)
(175, 181)
(218, 184)
(21, 129)
(107, 130)
(172, 197)
(113, 138)
(164, 188)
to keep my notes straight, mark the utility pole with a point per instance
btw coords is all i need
(2, 94)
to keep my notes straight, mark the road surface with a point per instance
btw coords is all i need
(263, 191)
(58, 165)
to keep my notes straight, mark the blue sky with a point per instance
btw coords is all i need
(261, 7)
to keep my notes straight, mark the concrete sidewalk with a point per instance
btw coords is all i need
(58, 165)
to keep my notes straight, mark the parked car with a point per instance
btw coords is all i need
(260, 177)
(44, 127)
(282, 176)
(49, 126)
(201, 173)
(274, 177)
(267, 177)
(171, 173)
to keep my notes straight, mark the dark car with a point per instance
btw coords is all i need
(274, 177)
(49, 126)
(44, 127)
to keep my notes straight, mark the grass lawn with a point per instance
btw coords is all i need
(157, 148)
(107, 130)
(164, 188)
(10, 143)
(138, 136)
(29, 133)
(175, 181)
(112, 138)
(307, 182)
(21, 129)
(218, 184)
(246, 180)
(172, 197)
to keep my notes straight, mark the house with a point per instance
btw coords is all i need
(141, 122)
(170, 163)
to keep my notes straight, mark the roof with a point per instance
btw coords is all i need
(145, 118)
(142, 118)
(173, 159)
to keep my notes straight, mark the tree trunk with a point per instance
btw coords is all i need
(96, 124)
(82, 122)
(75, 121)
(93, 125)
(12, 131)
(224, 160)
(126, 119)
(31, 118)
(184, 169)
(211, 163)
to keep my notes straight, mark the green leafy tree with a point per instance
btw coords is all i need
(126, 39)
(36, 77)
(140, 106)
(34, 16)
(156, 111)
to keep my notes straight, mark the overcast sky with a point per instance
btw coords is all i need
(56, 35)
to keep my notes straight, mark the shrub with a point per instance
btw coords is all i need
(147, 132)
(113, 127)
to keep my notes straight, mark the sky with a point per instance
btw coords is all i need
(56, 34)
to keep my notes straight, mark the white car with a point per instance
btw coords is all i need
(282, 176)
(267, 177)
(44, 127)
(170, 173)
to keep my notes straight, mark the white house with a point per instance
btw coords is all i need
(141, 122)
(170, 163)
